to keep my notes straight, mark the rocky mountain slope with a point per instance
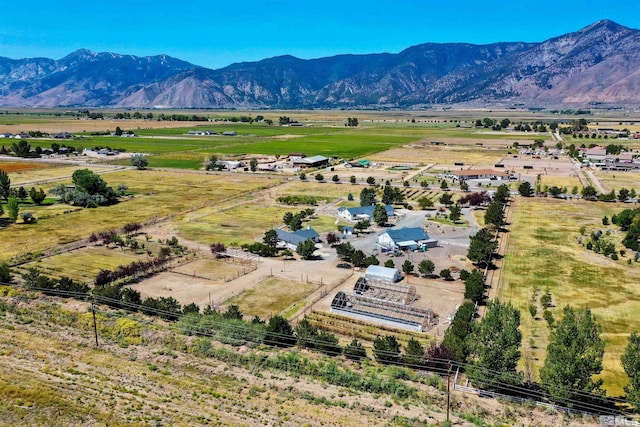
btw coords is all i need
(598, 64)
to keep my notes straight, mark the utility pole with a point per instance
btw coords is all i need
(95, 327)
(448, 390)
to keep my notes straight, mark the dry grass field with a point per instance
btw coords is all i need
(156, 194)
(616, 180)
(272, 297)
(544, 252)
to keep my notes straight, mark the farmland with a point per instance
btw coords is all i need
(175, 197)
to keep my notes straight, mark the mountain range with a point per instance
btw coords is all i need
(597, 65)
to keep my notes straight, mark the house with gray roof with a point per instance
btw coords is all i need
(311, 162)
(362, 212)
(292, 239)
(406, 238)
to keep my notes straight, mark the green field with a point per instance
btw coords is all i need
(544, 252)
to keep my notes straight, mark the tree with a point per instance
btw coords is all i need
(407, 267)
(371, 180)
(589, 193)
(358, 258)
(319, 177)
(296, 223)
(233, 312)
(623, 194)
(426, 267)
(332, 238)
(89, 182)
(464, 186)
(37, 196)
(306, 333)
(303, 176)
(455, 212)
(446, 199)
(574, 355)
(495, 347)
(355, 351)
(455, 336)
(389, 263)
(345, 250)
(306, 249)
(494, 214)
(118, 131)
(287, 217)
(279, 332)
(367, 197)
(481, 247)
(139, 161)
(445, 273)
(631, 364)
(474, 286)
(335, 178)
(352, 179)
(380, 216)
(362, 225)
(502, 194)
(22, 194)
(525, 189)
(425, 202)
(270, 238)
(5, 273)
(13, 208)
(352, 121)
(21, 148)
(414, 354)
(253, 165)
(443, 185)
(5, 185)
(386, 349)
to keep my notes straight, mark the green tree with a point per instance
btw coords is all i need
(12, 208)
(279, 332)
(425, 202)
(371, 180)
(22, 194)
(306, 333)
(327, 343)
(386, 350)
(455, 337)
(296, 223)
(445, 273)
(474, 286)
(303, 176)
(306, 249)
(623, 194)
(389, 263)
(358, 258)
(414, 354)
(319, 177)
(37, 196)
(253, 165)
(426, 267)
(494, 214)
(589, 193)
(495, 347)
(631, 364)
(21, 148)
(335, 178)
(443, 185)
(89, 182)
(380, 216)
(352, 179)
(270, 238)
(481, 247)
(502, 194)
(355, 351)
(446, 199)
(139, 161)
(362, 225)
(233, 312)
(574, 355)
(367, 197)
(455, 212)
(525, 189)
(345, 250)
(5, 273)
(407, 267)
(5, 185)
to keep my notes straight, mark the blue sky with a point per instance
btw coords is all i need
(217, 33)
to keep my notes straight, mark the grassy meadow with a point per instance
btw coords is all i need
(545, 252)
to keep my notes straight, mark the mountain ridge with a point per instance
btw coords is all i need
(595, 65)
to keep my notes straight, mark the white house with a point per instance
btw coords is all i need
(362, 213)
(413, 238)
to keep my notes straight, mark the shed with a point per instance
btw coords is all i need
(382, 274)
